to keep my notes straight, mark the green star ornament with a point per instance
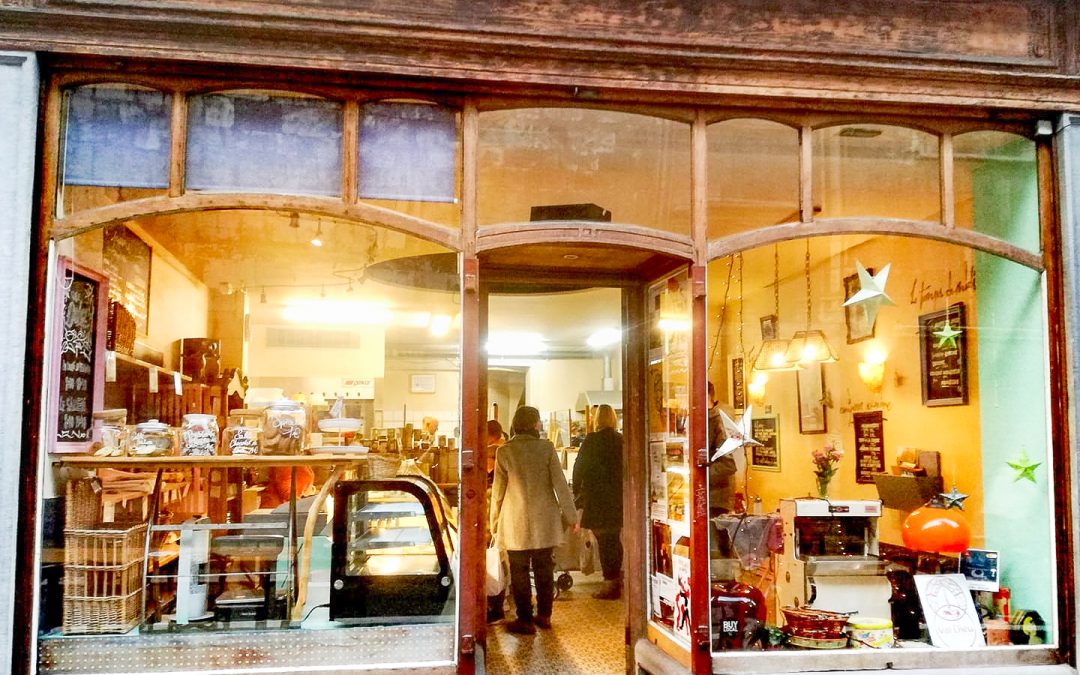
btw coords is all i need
(1024, 467)
(947, 335)
(871, 293)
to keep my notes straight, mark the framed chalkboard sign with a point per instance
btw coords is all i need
(126, 259)
(943, 356)
(77, 356)
(766, 431)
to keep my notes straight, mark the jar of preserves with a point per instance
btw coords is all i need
(243, 435)
(284, 423)
(199, 435)
(152, 439)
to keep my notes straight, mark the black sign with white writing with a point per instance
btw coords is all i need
(943, 353)
(764, 430)
(77, 347)
(869, 445)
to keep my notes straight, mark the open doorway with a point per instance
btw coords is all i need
(561, 353)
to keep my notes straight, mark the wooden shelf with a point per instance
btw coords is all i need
(132, 361)
(215, 462)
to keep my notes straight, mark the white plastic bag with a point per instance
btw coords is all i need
(589, 552)
(498, 571)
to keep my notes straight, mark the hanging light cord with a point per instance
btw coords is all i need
(742, 348)
(720, 316)
(808, 284)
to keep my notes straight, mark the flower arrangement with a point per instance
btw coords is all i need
(825, 461)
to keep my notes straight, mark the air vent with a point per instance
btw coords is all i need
(300, 338)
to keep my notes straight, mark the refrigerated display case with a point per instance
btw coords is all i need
(392, 549)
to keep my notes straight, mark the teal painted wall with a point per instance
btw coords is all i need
(1008, 328)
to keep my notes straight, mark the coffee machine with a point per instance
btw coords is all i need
(830, 557)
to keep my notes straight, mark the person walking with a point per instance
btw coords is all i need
(531, 508)
(598, 483)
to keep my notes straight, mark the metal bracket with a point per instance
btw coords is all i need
(701, 457)
(468, 645)
(468, 459)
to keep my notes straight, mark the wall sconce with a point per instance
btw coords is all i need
(756, 388)
(872, 369)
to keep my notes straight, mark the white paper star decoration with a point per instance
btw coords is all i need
(738, 434)
(871, 293)
(947, 335)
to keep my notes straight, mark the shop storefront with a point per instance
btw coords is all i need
(258, 358)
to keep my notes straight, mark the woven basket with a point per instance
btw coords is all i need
(383, 466)
(103, 578)
(82, 504)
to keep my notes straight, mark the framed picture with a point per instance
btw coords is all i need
(422, 383)
(859, 327)
(738, 384)
(811, 390)
(766, 431)
(769, 327)
(943, 356)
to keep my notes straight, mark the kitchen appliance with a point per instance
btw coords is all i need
(390, 556)
(830, 557)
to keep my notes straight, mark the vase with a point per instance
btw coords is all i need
(823, 488)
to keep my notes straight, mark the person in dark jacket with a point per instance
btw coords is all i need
(598, 494)
(722, 471)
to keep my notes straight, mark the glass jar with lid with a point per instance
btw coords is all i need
(111, 432)
(199, 435)
(284, 422)
(152, 438)
(243, 435)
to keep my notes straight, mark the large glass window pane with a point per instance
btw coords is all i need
(255, 142)
(114, 142)
(668, 394)
(273, 368)
(860, 169)
(408, 159)
(753, 175)
(997, 189)
(943, 387)
(601, 165)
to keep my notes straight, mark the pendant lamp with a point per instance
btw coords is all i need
(772, 354)
(809, 345)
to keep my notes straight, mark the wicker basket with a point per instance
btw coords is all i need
(103, 579)
(382, 466)
(82, 504)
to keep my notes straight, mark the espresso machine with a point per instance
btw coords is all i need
(830, 557)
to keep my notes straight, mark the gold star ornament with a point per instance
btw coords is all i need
(871, 293)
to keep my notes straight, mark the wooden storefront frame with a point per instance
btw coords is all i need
(473, 239)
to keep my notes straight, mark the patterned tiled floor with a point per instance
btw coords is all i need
(586, 639)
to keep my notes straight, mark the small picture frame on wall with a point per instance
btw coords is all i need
(811, 395)
(769, 327)
(856, 317)
(738, 384)
(422, 383)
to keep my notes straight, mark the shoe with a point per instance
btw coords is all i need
(613, 591)
(542, 622)
(493, 616)
(519, 627)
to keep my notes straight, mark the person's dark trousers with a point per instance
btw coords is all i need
(543, 569)
(611, 553)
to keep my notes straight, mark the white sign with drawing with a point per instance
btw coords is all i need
(950, 613)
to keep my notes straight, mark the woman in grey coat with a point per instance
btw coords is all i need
(531, 508)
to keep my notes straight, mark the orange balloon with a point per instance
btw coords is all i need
(936, 530)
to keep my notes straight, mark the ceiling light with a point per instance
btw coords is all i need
(604, 337)
(809, 345)
(317, 239)
(570, 256)
(440, 325)
(415, 319)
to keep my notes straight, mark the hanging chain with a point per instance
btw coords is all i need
(720, 316)
(742, 349)
(808, 284)
(776, 283)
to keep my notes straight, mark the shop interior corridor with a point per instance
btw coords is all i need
(586, 638)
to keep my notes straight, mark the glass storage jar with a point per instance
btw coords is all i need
(152, 439)
(111, 432)
(199, 435)
(243, 435)
(284, 423)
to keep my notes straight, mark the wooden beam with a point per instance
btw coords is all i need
(806, 173)
(699, 188)
(591, 232)
(636, 467)
(470, 140)
(947, 172)
(177, 144)
(350, 152)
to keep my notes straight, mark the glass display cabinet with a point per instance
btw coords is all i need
(392, 546)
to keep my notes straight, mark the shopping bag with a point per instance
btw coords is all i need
(588, 552)
(498, 571)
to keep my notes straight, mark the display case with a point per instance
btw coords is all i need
(391, 551)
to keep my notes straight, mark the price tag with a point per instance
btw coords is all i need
(152, 382)
(110, 366)
(177, 384)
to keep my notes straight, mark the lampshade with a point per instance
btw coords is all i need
(809, 346)
(772, 357)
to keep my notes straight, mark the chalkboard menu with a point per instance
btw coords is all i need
(869, 445)
(943, 356)
(767, 455)
(127, 264)
(77, 355)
